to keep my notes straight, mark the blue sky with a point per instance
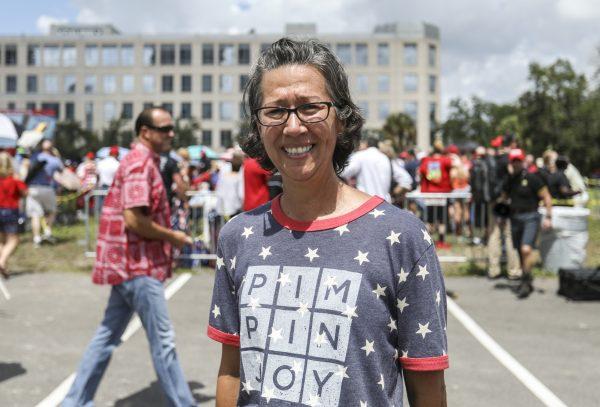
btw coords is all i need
(21, 15)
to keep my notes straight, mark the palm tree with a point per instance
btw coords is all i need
(400, 129)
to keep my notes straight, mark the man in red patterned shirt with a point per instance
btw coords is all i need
(134, 256)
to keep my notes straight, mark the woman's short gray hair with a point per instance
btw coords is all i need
(311, 52)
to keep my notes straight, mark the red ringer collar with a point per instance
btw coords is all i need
(323, 224)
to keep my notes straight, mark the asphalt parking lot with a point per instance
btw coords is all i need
(52, 316)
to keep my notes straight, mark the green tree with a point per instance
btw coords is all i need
(118, 133)
(400, 129)
(186, 132)
(73, 141)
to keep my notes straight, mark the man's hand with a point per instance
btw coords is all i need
(546, 223)
(180, 239)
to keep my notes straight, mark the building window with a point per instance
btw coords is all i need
(243, 111)
(363, 105)
(207, 110)
(383, 54)
(432, 83)
(362, 54)
(69, 55)
(208, 54)
(32, 85)
(34, 55)
(344, 53)
(411, 82)
(243, 82)
(167, 54)
(11, 105)
(110, 55)
(168, 106)
(30, 106)
(167, 83)
(226, 54)
(362, 83)
(51, 55)
(186, 83)
(226, 83)
(127, 110)
(186, 110)
(70, 111)
(91, 56)
(410, 108)
(226, 139)
(89, 85)
(147, 105)
(128, 83)
(207, 138)
(432, 55)
(109, 84)
(51, 106)
(206, 83)
(110, 111)
(244, 54)
(88, 109)
(51, 83)
(149, 55)
(69, 84)
(383, 83)
(148, 83)
(410, 54)
(383, 110)
(226, 111)
(11, 83)
(10, 54)
(127, 55)
(185, 54)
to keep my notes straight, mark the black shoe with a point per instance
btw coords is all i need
(525, 288)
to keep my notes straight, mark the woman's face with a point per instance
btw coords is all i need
(300, 151)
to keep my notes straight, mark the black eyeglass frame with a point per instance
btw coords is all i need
(289, 111)
(164, 129)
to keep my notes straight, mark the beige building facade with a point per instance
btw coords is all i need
(94, 74)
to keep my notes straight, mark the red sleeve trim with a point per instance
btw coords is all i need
(219, 336)
(425, 364)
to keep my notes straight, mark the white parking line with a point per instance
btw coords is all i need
(58, 395)
(521, 373)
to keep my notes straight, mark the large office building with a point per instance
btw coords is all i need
(94, 74)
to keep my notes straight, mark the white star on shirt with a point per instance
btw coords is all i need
(381, 382)
(395, 355)
(266, 251)
(320, 339)
(426, 236)
(331, 281)
(394, 237)
(269, 393)
(423, 330)
(363, 404)
(401, 304)
(404, 353)
(232, 261)
(275, 334)
(247, 387)
(342, 229)
(350, 312)
(297, 367)
(342, 372)
(369, 347)
(220, 262)
(392, 325)
(376, 213)
(422, 271)
(254, 303)
(362, 257)
(216, 311)
(311, 254)
(402, 276)
(438, 297)
(379, 291)
(314, 401)
(247, 232)
(284, 279)
(303, 308)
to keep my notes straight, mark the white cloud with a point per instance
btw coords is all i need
(579, 9)
(44, 22)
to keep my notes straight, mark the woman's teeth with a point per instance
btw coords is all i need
(298, 150)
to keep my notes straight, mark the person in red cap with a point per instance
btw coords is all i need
(524, 190)
(87, 172)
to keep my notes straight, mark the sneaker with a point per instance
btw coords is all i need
(525, 288)
(37, 241)
(49, 238)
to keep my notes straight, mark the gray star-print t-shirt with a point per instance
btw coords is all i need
(329, 313)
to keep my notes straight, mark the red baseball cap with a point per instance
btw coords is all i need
(404, 154)
(114, 151)
(516, 154)
(453, 149)
(90, 155)
(497, 141)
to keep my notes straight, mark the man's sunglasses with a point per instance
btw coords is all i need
(164, 129)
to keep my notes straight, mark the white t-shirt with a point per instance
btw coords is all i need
(372, 170)
(107, 168)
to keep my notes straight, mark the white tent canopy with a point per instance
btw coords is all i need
(8, 134)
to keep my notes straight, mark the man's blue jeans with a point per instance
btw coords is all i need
(145, 296)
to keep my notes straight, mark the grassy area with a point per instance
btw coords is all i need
(68, 254)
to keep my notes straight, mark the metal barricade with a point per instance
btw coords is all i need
(202, 220)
